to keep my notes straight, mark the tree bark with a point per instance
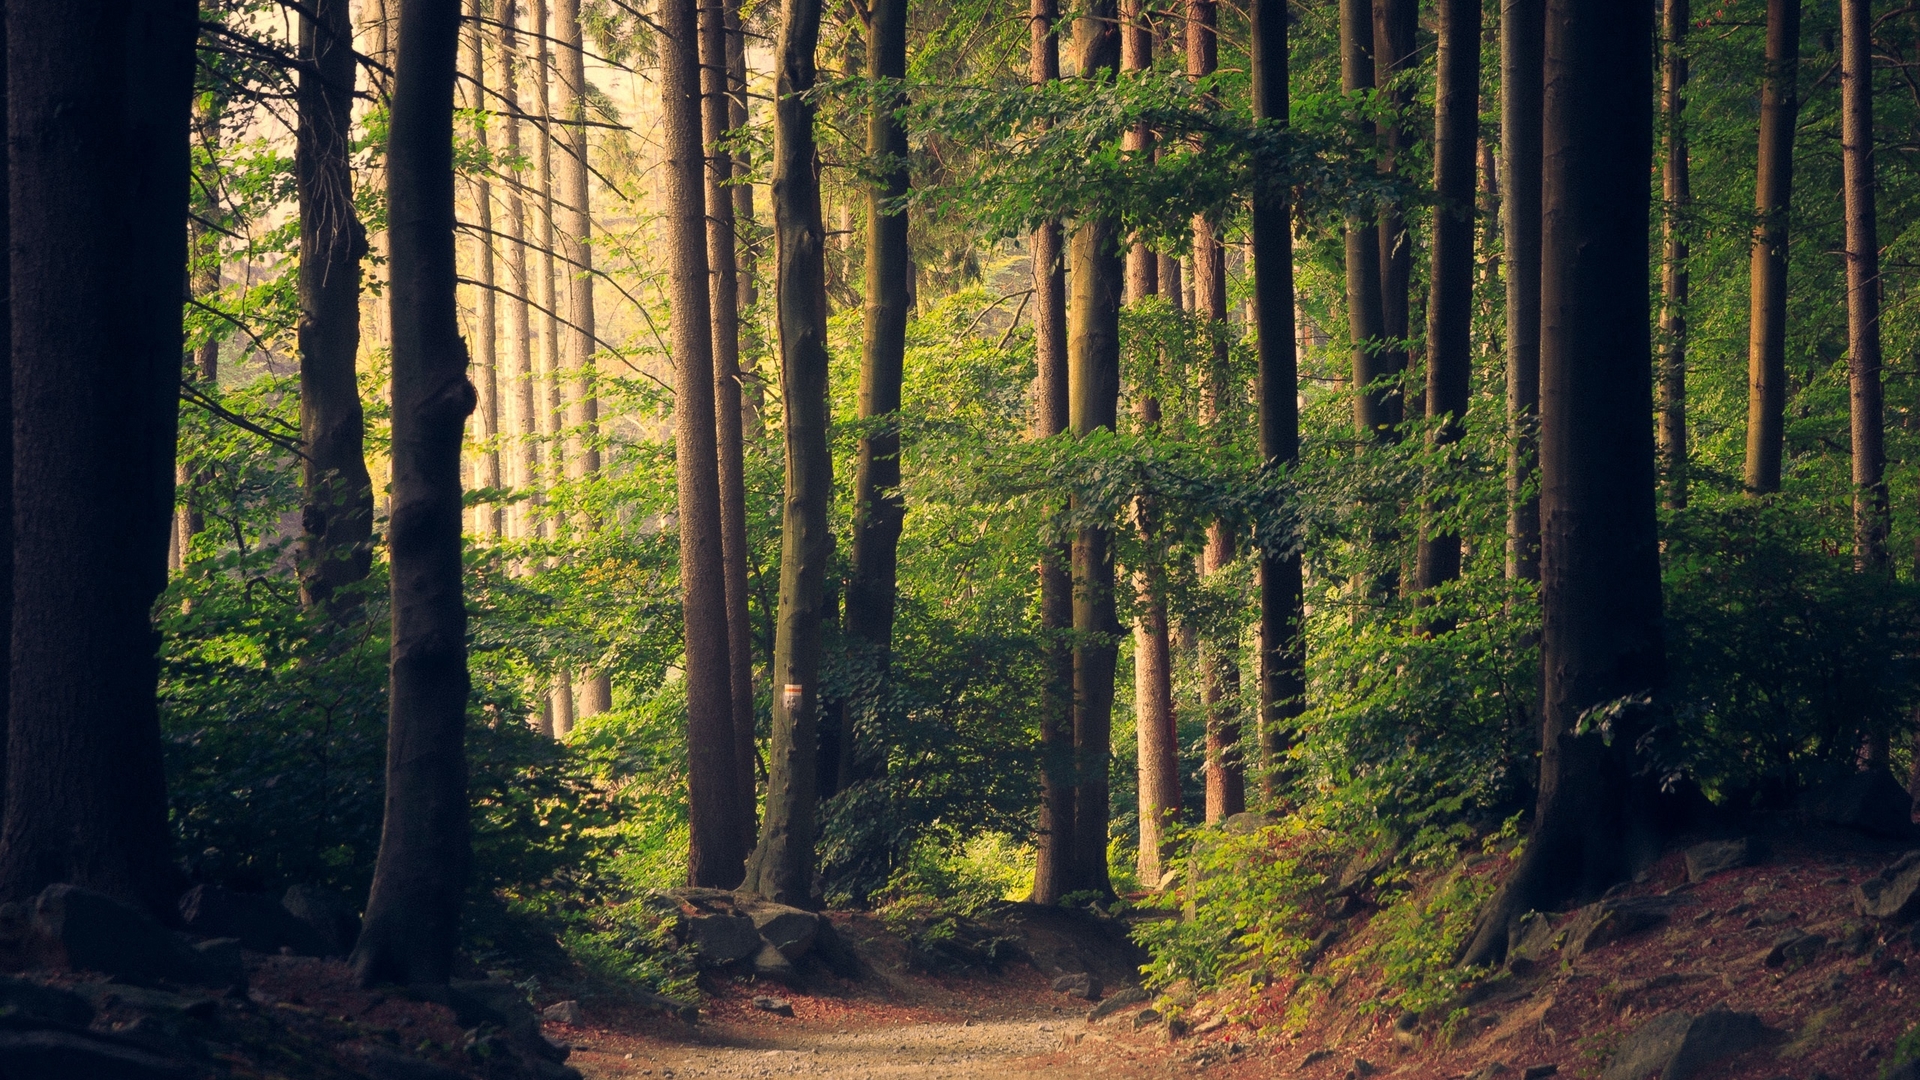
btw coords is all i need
(1677, 187)
(99, 101)
(549, 408)
(1522, 48)
(781, 868)
(522, 388)
(1054, 863)
(723, 265)
(1600, 579)
(1283, 658)
(1456, 132)
(1870, 510)
(336, 515)
(1772, 198)
(1365, 321)
(486, 315)
(413, 913)
(1394, 25)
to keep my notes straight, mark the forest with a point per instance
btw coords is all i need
(512, 464)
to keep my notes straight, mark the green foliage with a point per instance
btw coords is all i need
(1248, 900)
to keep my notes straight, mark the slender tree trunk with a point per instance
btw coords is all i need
(1054, 865)
(1772, 198)
(413, 914)
(1365, 322)
(6, 438)
(716, 850)
(781, 868)
(486, 315)
(203, 254)
(1394, 24)
(746, 250)
(99, 104)
(522, 388)
(877, 506)
(337, 511)
(1283, 658)
(1863, 286)
(1456, 131)
(1677, 188)
(1522, 49)
(549, 408)
(723, 265)
(1600, 580)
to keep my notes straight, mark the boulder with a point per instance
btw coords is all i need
(1146, 1018)
(564, 1012)
(770, 963)
(1079, 984)
(788, 929)
(1795, 948)
(833, 951)
(260, 923)
(1894, 894)
(71, 1055)
(1719, 856)
(1129, 995)
(1869, 802)
(1531, 937)
(719, 939)
(223, 959)
(77, 929)
(1246, 822)
(385, 1064)
(1676, 1045)
(774, 1005)
(333, 916)
(1611, 920)
(25, 1004)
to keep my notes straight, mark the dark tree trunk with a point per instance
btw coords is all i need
(99, 101)
(487, 413)
(1054, 865)
(1456, 132)
(877, 507)
(337, 510)
(1600, 570)
(1522, 47)
(1863, 286)
(723, 265)
(1394, 24)
(716, 849)
(1671, 436)
(1365, 321)
(1772, 198)
(781, 868)
(413, 913)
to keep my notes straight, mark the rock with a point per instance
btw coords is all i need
(788, 929)
(261, 924)
(774, 1005)
(1078, 984)
(1795, 947)
(1869, 802)
(1129, 995)
(1489, 1071)
(667, 1006)
(1719, 856)
(1315, 1057)
(1327, 939)
(68, 1055)
(564, 1012)
(222, 956)
(503, 1005)
(1908, 1070)
(331, 915)
(1611, 920)
(1145, 1018)
(23, 1003)
(1894, 894)
(77, 929)
(1531, 937)
(1677, 1045)
(833, 951)
(385, 1064)
(769, 963)
(1362, 1067)
(1245, 822)
(720, 939)
(1538, 1072)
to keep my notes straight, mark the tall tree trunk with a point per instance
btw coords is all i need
(1772, 199)
(337, 498)
(522, 387)
(1054, 864)
(747, 249)
(1365, 322)
(1394, 25)
(99, 101)
(1677, 188)
(413, 913)
(1283, 658)
(1863, 286)
(723, 265)
(486, 314)
(716, 852)
(1522, 50)
(1093, 374)
(203, 255)
(1600, 579)
(548, 406)
(781, 868)
(1456, 132)
(877, 507)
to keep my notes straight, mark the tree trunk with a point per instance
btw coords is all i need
(1863, 286)
(420, 877)
(723, 265)
(99, 101)
(1054, 864)
(1456, 131)
(1283, 658)
(781, 868)
(486, 315)
(1394, 24)
(337, 498)
(716, 852)
(1522, 49)
(1772, 199)
(1671, 436)
(1600, 579)
(877, 507)
(203, 255)
(549, 409)
(523, 391)
(1365, 321)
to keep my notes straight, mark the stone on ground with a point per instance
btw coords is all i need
(1612, 920)
(71, 1055)
(1078, 984)
(1677, 1045)
(331, 915)
(75, 929)
(1870, 802)
(1130, 995)
(769, 963)
(565, 1012)
(774, 1005)
(788, 929)
(1894, 895)
(261, 924)
(720, 939)
(1719, 856)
